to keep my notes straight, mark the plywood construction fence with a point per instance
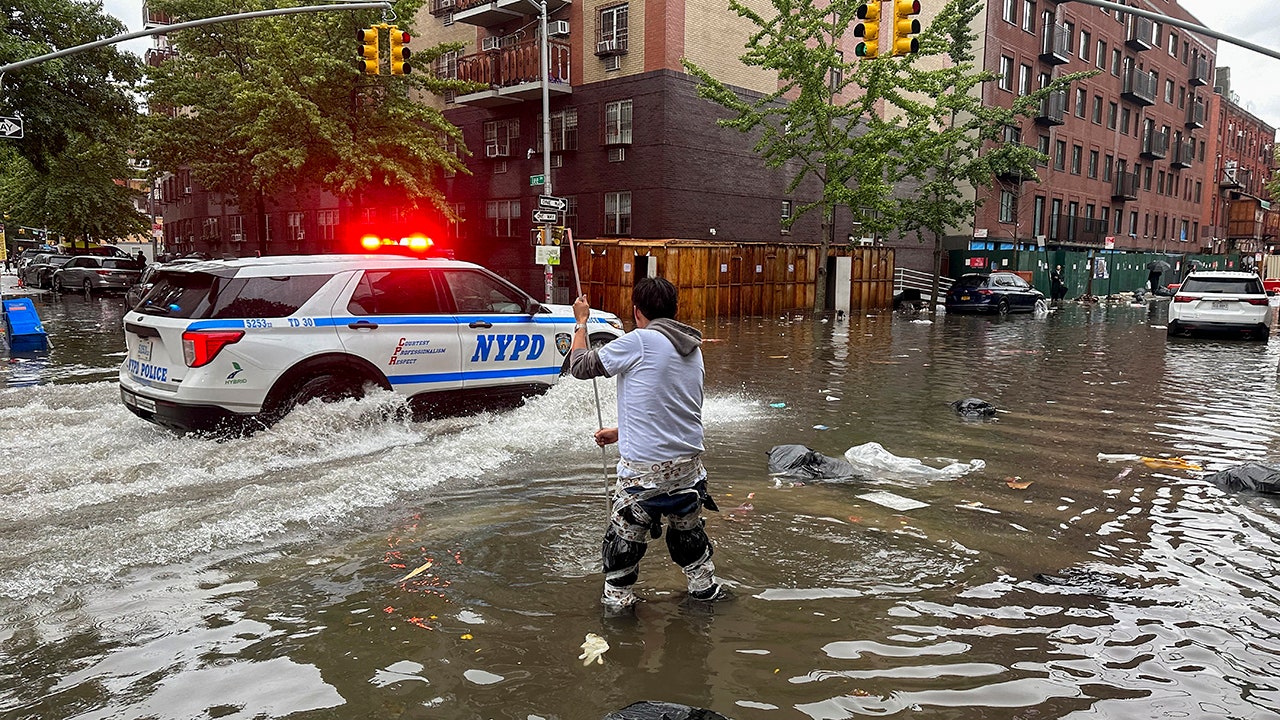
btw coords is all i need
(725, 279)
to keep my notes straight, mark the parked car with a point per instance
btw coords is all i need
(232, 345)
(1233, 303)
(92, 273)
(997, 292)
(38, 272)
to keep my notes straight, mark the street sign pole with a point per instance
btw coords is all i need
(545, 53)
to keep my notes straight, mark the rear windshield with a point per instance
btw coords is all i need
(202, 296)
(58, 260)
(971, 281)
(119, 264)
(1232, 286)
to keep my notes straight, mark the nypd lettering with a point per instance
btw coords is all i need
(508, 348)
(407, 350)
(147, 371)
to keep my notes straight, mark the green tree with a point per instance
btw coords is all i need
(259, 107)
(80, 194)
(893, 141)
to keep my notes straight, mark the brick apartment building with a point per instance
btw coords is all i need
(1136, 151)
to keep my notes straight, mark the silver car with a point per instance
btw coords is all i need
(90, 273)
(1232, 303)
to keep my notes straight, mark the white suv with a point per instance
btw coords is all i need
(230, 345)
(1223, 302)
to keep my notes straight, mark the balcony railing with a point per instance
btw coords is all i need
(1126, 186)
(1199, 72)
(1055, 47)
(154, 18)
(1076, 229)
(1139, 87)
(510, 71)
(1155, 145)
(1184, 154)
(1140, 35)
(1053, 108)
(1195, 114)
(155, 56)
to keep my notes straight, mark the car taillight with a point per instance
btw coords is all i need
(985, 291)
(103, 273)
(1257, 301)
(200, 347)
(1182, 298)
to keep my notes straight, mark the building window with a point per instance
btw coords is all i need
(1077, 154)
(1006, 73)
(1029, 16)
(1024, 80)
(1107, 162)
(1182, 97)
(328, 220)
(1168, 91)
(1160, 183)
(499, 136)
(1043, 146)
(236, 223)
(1055, 217)
(1124, 121)
(1082, 98)
(1146, 178)
(617, 122)
(1086, 44)
(504, 216)
(1115, 62)
(1197, 191)
(617, 213)
(1071, 36)
(1097, 109)
(1037, 216)
(571, 212)
(1173, 44)
(1133, 222)
(1007, 202)
(564, 130)
(1093, 164)
(611, 35)
(786, 215)
(1112, 109)
(1011, 12)
(297, 231)
(1060, 155)
(1101, 58)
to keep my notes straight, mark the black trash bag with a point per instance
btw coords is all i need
(650, 710)
(909, 300)
(973, 407)
(1250, 477)
(800, 461)
(1163, 291)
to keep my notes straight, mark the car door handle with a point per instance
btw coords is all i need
(481, 324)
(363, 325)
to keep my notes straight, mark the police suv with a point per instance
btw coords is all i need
(231, 345)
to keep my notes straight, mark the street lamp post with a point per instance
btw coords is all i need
(545, 53)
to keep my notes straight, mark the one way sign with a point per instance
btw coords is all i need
(10, 127)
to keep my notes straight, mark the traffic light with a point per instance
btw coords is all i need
(868, 29)
(905, 27)
(397, 39)
(538, 236)
(368, 60)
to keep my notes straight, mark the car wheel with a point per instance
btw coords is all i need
(324, 388)
(57, 285)
(1002, 307)
(88, 288)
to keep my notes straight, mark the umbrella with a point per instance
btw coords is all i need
(1158, 266)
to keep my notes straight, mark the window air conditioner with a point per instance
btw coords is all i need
(558, 27)
(605, 47)
(495, 149)
(300, 234)
(237, 237)
(445, 4)
(491, 43)
(186, 190)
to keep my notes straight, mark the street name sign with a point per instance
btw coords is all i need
(537, 179)
(543, 217)
(551, 202)
(11, 127)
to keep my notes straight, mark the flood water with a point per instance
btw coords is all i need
(145, 575)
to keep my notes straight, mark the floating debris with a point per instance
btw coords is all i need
(592, 649)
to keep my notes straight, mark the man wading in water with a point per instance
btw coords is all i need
(659, 435)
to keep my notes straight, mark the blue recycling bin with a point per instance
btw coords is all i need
(22, 326)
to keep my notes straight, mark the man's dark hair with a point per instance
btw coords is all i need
(655, 298)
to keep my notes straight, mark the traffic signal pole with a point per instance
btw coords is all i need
(545, 58)
(166, 29)
(1186, 25)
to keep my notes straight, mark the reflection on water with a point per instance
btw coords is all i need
(147, 575)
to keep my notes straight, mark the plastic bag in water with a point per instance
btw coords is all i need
(873, 461)
(1251, 477)
(803, 462)
(650, 710)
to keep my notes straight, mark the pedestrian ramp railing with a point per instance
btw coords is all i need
(904, 278)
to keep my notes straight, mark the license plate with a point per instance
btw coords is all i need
(143, 351)
(1221, 305)
(146, 404)
(964, 297)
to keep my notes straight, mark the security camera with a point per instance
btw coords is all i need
(529, 153)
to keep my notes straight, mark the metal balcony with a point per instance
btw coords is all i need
(1125, 187)
(1055, 46)
(488, 13)
(1053, 108)
(1199, 72)
(1184, 154)
(514, 74)
(154, 18)
(1140, 33)
(1139, 87)
(1195, 114)
(1155, 145)
(155, 56)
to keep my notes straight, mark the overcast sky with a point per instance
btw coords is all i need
(1254, 77)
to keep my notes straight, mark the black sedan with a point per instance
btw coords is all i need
(997, 292)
